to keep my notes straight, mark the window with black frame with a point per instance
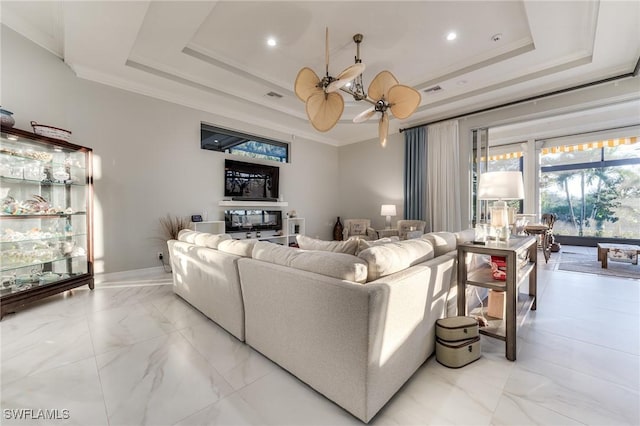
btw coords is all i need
(242, 144)
(593, 186)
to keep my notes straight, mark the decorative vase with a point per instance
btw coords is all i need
(6, 118)
(337, 230)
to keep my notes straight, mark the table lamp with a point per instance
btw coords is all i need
(501, 186)
(388, 210)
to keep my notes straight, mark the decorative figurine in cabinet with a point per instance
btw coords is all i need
(45, 218)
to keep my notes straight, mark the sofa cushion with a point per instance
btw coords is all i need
(242, 248)
(365, 244)
(337, 265)
(392, 257)
(307, 243)
(188, 236)
(211, 240)
(442, 242)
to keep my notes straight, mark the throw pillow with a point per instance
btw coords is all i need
(358, 227)
(349, 246)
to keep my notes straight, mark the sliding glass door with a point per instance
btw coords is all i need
(593, 187)
(488, 158)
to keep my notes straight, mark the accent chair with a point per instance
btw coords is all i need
(359, 228)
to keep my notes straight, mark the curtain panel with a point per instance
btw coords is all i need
(443, 177)
(415, 173)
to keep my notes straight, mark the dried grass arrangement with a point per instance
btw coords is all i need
(172, 225)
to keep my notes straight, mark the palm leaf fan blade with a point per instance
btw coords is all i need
(383, 129)
(306, 84)
(403, 101)
(324, 110)
(364, 115)
(380, 85)
(345, 77)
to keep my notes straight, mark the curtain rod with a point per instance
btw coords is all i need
(633, 73)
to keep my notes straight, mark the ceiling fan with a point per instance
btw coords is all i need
(385, 93)
(323, 105)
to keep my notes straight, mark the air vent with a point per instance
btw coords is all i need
(274, 95)
(432, 89)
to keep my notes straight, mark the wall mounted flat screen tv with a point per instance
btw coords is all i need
(250, 182)
(252, 220)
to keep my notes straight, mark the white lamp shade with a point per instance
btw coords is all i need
(388, 210)
(501, 186)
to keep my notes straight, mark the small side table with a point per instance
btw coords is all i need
(545, 241)
(386, 233)
(521, 259)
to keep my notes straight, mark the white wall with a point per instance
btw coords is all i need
(371, 176)
(148, 160)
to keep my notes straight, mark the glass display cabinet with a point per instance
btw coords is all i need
(45, 219)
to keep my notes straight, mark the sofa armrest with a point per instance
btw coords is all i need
(208, 279)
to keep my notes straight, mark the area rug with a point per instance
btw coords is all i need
(577, 262)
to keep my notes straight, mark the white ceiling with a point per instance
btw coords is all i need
(213, 55)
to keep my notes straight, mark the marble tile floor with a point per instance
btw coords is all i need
(132, 353)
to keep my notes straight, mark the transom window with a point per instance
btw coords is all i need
(232, 142)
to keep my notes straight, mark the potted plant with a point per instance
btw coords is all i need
(170, 226)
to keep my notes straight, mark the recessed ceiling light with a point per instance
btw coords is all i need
(271, 41)
(452, 36)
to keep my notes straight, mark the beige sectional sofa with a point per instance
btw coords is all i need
(205, 274)
(355, 328)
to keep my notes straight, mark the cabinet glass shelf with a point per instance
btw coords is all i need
(46, 220)
(38, 262)
(62, 237)
(40, 216)
(10, 179)
(21, 158)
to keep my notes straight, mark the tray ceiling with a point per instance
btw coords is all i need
(213, 56)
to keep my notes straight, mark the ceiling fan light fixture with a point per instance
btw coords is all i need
(324, 106)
